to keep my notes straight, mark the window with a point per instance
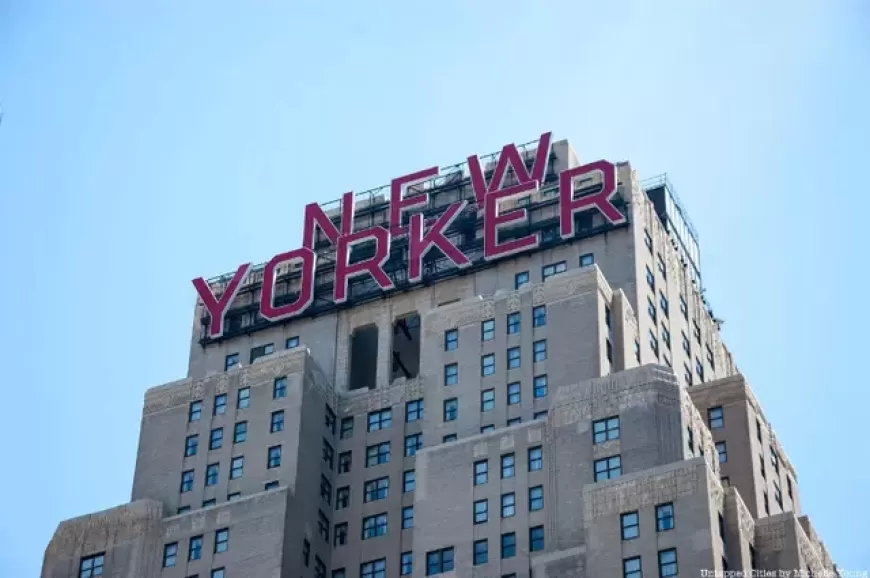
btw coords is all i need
(329, 420)
(710, 359)
(344, 461)
(449, 438)
(244, 398)
(536, 539)
(323, 525)
(451, 339)
(221, 540)
(665, 517)
(216, 438)
(715, 417)
(407, 517)
(374, 526)
(407, 564)
(237, 467)
(170, 554)
(536, 498)
(540, 386)
(481, 472)
(414, 410)
(487, 400)
(270, 485)
(687, 374)
(587, 260)
(630, 525)
(513, 393)
(91, 566)
(650, 278)
(328, 455)
(240, 432)
(774, 459)
(413, 443)
(218, 573)
(699, 369)
(194, 550)
(637, 350)
(721, 526)
(374, 569)
(508, 545)
(766, 504)
(539, 316)
(261, 351)
(211, 474)
(521, 279)
(608, 468)
(409, 481)
(487, 364)
(696, 331)
(605, 429)
(663, 303)
(319, 568)
(758, 430)
(183, 510)
(540, 414)
(231, 360)
(684, 308)
(381, 419)
(190, 445)
(220, 404)
(487, 330)
(667, 563)
(777, 494)
(342, 498)
(378, 454)
(723, 453)
(376, 490)
(549, 270)
(647, 239)
(346, 431)
(761, 465)
(209, 503)
(653, 342)
(508, 466)
(726, 481)
(277, 421)
(186, 481)
(788, 488)
(662, 268)
(481, 552)
(451, 374)
(631, 568)
(536, 459)
(666, 336)
(539, 351)
(195, 411)
(292, 342)
(279, 388)
(508, 505)
(487, 429)
(513, 355)
(691, 440)
(685, 342)
(481, 511)
(339, 534)
(439, 561)
(273, 457)
(325, 490)
(513, 323)
(451, 408)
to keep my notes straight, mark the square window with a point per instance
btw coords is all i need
(221, 541)
(373, 569)
(374, 526)
(273, 457)
(536, 498)
(451, 374)
(195, 411)
(481, 472)
(608, 468)
(487, 364)
(170, 554)
(218, 573)
(244, 398)
(549, 270)
(209, 503)
(536, 459)
(540, 386)
(90, 566)
(513, 323)
(521, 279)
(540, 350)
(216, 438)
(279, 388)
(536, 539)
(451, 339)
(487, 330)
(190, 445)
(487, 400)
(449, 438)
(277, 423)
(220, 404)
(508, 466)
(240, 432)
(665, 517)
(508, 505)
(605, 429)
(631, 568)
(481, 552)
(237, 467)
(270, 486)
(481, 511)
(539, 316)
(451, 409)
(375, 490)
(630, 525)
(587, 260)
(513, 355)
(439, 561)
(231, 360)
(513, 393)
(414, 410)
(667, 563)
(381, 419)
(715, 417)
(211, 474)
(378, 454)
(413, 443)
(346, 431)
(508, 545)
(409, 481)
(292, 342)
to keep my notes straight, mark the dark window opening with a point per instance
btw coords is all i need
(364, 358)
(406, 347)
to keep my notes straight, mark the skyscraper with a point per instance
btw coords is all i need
(505, 368)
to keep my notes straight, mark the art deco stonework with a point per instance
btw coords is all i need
(564, 411)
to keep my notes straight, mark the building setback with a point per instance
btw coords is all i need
(566, 411)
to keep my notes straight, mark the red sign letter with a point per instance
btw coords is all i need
(419, 244)
(399, 203)
(509, 156)
(344, 270)
(569, 205)
(492, 222)
(306, 285)
(218, 308)
(315, 217)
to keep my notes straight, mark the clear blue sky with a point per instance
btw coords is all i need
(146, 143)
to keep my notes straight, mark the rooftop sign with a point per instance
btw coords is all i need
(488, 197)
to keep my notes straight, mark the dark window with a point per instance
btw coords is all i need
(666, 336)
(508, 545)
(605, 429)
(170, 554)
(662, 268)
(536, 459)
(449, 438)
(306, 552)
(487, 330)
(487, 429)
(587, 260)
(237, 467)
(234, 496)
(451, 339)
(487, 364)
(90, 566)
(381, 419)
(194, 550)
(487, 400)
(758, 430)
(663, 303)
(439, 561)
(344, 461)
(481, 552)
(777, 495)
(220, 404)
(292, 342)
(339, 534)
(231, 360)
(665, 517)
(481, 472)
(273, 457)
(513, 357)
(521, 279)
(319, 568)
(325, 490)
(608, 468)
(647, 239)
(240, 432)
(221, 540)
(413, 443)
(536, 498)
(261, 351)
(323, 525)
(195, 411)
(209, 503)
(277, 423)
(684, 308)
(243, 399)
(508, 505)
(451, 408)
(407, 517)
(721, 527)
(409, 481)
(374, 526)
(540, 386)
(378, 454)
(667, 563)
(481, 511)
(513, 393)
(789, 488)
(346, 431)
(630, 525)
(190, 445)
(328, 455)
(631, 568)
(508, 466)
(378, 489)
(373, 569)
(536, 539)
(451, 374)
(653, 343)
(186, 481)
(183, 510)
(513, 323)
(539, 316)
(650, 278)
(342, 498)
(540, 414)
(539, 351)
(329, 420)
(279, 388)
(766, 504)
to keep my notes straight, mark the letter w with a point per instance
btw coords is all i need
(509, 156)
